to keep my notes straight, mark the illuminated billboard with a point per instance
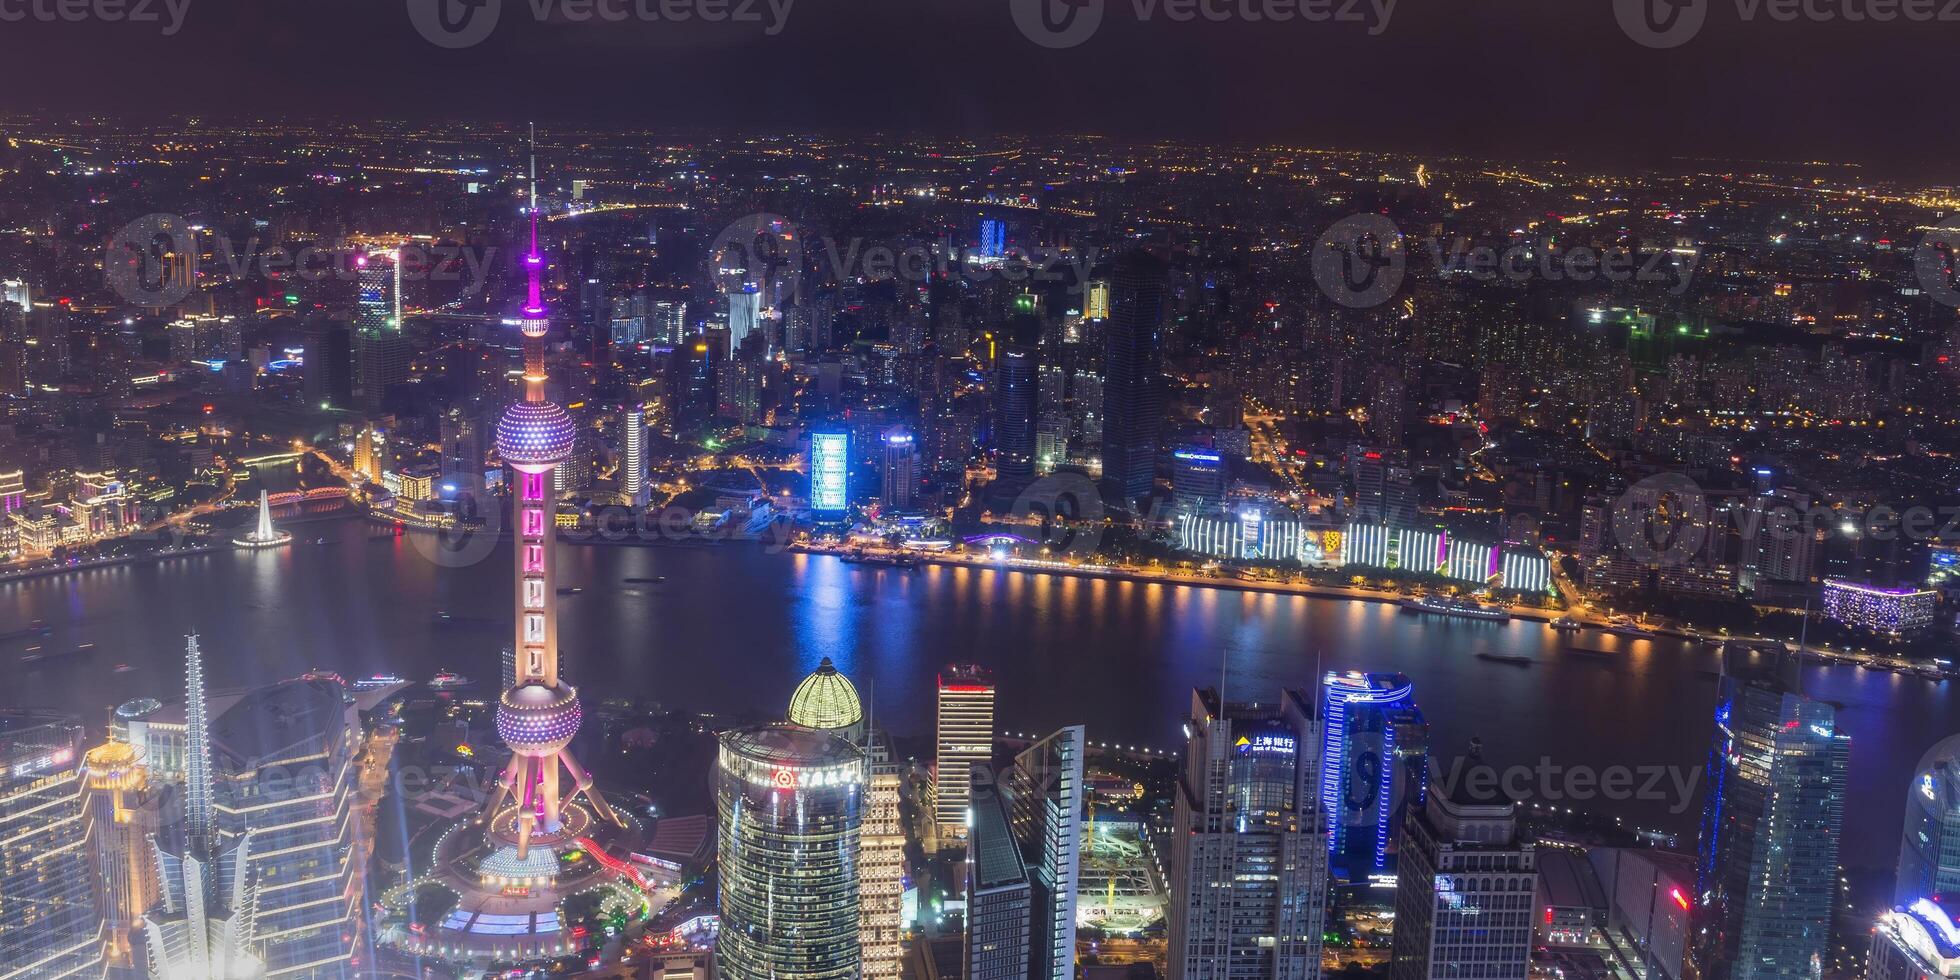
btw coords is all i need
(829, 468)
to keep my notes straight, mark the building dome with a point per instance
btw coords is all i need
(536, 720)
(826, 700)
(535, 433)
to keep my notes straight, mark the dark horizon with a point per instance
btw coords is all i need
(1537, 80)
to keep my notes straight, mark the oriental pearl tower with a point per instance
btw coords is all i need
(539, 715)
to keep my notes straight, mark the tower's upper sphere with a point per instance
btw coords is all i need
(826, 699)
(535, 433)
(536, 720)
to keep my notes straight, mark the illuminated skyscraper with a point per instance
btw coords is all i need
(993, 238)
(966, 739)
(1373, 765)
(1770, 828)
(827, 701)
(539, 716)
(50, 927)
(633, 461)
(790, 802)
(900, 475)
(830, 469)
(1045, 792)
(1248, 846)
(117, 785)
(382, 353)
(1465, 884)
(368, 451)
(1929, 849)
(1918, 940)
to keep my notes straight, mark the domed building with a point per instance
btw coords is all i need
(828, 701)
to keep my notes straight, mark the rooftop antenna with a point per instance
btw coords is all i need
(534, 175)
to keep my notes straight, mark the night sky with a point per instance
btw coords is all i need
(1509, 78)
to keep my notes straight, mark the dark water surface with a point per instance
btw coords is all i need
(734, 628)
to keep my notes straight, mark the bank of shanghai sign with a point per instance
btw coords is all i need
(828, 465)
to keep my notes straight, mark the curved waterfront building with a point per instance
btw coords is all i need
(790, 803)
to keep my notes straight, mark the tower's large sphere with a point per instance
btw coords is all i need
(536, 720)
(535, 433)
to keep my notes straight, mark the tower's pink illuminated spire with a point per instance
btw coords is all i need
(534, 260)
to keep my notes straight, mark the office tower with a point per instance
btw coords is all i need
(50, 927)
(633, 455)
(744, 314)
(999, 894)
(463, 450)
(1096, 306)
(669, 326)
(1929, 849)
(1132, 393)
(1248, 847)
(1197, 479)
(382, 353)
(1465, 884)
(1769, 830)
(993, 238)
(1044, 791)
(1919, 940)
(116, 788)
(284, 775)
(966, 740)
(826, 700)
(370, 453)
(204, 925)
(539, 715)
(829, 466)
(329, 359)
(1014, 415)
(900, 475)
(378, 303)
(13, 349)
(790, 802)
(13, 491)
(1373, 767)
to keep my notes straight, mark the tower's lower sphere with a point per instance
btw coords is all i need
(535, 433)
(536, 720)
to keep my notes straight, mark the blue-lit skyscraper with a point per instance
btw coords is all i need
(1929, 849)
(1373, 765)
(830, 467)
(1767, 872)
(993, 238)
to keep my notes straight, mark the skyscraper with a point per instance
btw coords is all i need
(1248, 846)
(790, 802)
(1014, 415)
(966, 739)
(633, 462)
(1929, 849)
(826, 700)
(116, 785)
(50, 927)
(382, 353)
(1044, 790)
(999, 893)
(1132, 392)
(1916, 941)
(1373, 761)
(1465, 884)
(1770, 827)
(1197, 479)
(900, 474)
(539, 716)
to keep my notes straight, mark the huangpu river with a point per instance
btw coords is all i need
(734, 627)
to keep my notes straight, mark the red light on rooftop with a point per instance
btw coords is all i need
(1679, 899)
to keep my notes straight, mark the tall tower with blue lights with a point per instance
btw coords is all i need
(539, 714)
